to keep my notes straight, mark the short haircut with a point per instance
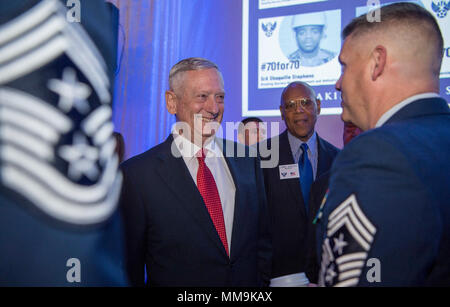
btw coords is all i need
(405, 13)
(188, 65)
(247, 120)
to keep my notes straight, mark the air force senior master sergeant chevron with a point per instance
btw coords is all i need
(59, 183)
(344, 251)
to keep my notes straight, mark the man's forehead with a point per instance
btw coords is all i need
(309, 27)
(252, 124)
(204, 78)
(298, 91)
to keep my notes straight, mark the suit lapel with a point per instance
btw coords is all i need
(175, 174)
(240, 203)
(239, 209)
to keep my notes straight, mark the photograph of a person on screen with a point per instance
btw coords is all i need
(309, 31)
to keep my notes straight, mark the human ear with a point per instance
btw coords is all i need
(379, 56)
(171, 102)
(282, 113)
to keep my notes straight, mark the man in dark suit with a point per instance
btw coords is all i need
(386, 218)
(316, 199)
(288, 184)
(194, 216)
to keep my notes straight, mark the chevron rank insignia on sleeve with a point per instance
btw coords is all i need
(344, 251)
(57, 147)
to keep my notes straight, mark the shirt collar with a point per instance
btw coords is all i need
(189, 150)
(385, 117)
(295, 143)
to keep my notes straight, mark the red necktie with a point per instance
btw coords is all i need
(208, 189)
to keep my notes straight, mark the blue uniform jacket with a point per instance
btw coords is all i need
(386, 221)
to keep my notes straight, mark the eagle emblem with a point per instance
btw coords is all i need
(440, 8)
(268, 28)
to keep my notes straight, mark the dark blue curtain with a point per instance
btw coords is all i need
(149, 43)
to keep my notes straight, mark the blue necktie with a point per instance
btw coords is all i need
(306, 174)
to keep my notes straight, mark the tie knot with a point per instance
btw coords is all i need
(201, 154)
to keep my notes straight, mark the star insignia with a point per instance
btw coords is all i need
(339, 244)
(331, 274)
(71, 92)
(81, 157)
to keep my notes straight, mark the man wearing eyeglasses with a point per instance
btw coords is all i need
(288, 184)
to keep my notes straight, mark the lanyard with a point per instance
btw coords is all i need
(320, 213)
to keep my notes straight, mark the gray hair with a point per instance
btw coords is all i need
(187, 65)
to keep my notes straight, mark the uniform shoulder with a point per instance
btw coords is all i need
(373, 146)
(294, 56)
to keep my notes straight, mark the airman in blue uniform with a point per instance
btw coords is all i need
(386, 220)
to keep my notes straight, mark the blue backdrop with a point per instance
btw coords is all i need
(153, 36)
(156, 34)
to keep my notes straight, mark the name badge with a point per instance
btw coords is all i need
(289, 171)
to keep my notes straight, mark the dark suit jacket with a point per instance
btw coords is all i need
(396, 182)
(169, 230)
(287, 209)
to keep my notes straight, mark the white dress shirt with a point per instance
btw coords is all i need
(219, 169)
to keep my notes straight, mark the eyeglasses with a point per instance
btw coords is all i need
(304, 103)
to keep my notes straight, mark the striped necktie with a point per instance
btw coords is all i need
(208, 189)
(306, 174)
